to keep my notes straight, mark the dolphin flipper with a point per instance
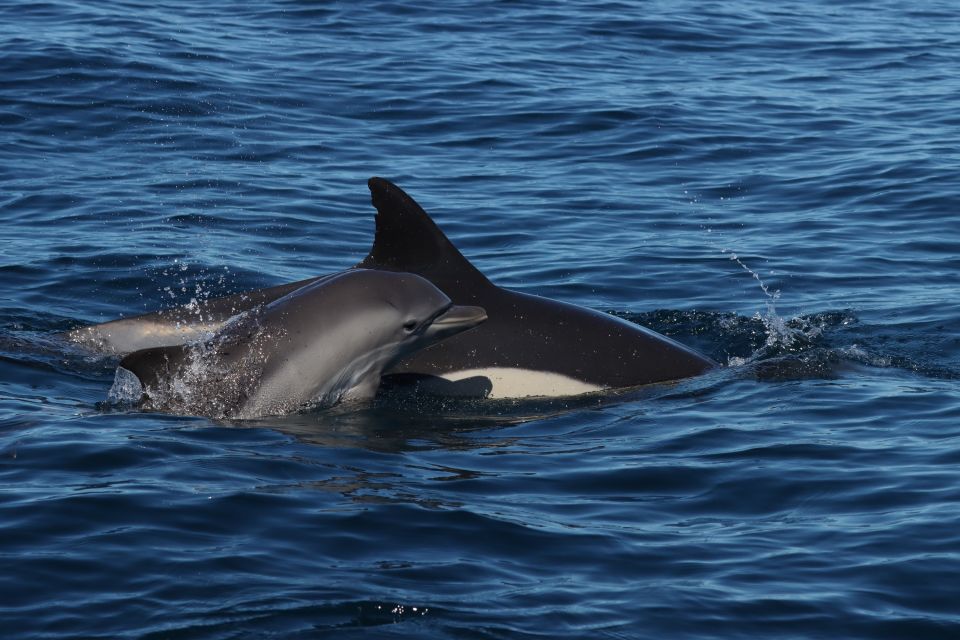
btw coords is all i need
(150, 365)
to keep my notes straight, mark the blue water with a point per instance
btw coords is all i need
(776, 184)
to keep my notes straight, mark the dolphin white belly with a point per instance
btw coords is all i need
(507, 382)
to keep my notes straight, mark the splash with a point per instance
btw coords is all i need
(782, 335)
(199, 291)
(207, 379)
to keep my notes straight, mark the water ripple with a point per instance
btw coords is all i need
(774, 185)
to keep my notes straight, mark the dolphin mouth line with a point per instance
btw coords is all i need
(455, 318)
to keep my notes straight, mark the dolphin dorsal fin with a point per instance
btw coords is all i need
(408, 240)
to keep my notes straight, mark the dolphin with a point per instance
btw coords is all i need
(530, 346)
(321, 343)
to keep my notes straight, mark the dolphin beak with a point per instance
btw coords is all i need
(454, 320)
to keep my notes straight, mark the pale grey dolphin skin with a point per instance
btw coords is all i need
(326, 341)
(530, 346)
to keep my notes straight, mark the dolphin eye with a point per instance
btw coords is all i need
(409, 326)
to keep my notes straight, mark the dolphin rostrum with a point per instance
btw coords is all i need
(326, 341)
(530, 346)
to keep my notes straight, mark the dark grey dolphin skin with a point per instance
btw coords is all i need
(326, 341)
(530, 346)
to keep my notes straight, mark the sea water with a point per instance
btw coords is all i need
(773, 183)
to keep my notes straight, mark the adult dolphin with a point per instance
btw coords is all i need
(326, 341)
(530, 346)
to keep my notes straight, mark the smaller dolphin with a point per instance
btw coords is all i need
(324, 342)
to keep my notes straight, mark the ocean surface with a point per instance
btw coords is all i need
(776, 184)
